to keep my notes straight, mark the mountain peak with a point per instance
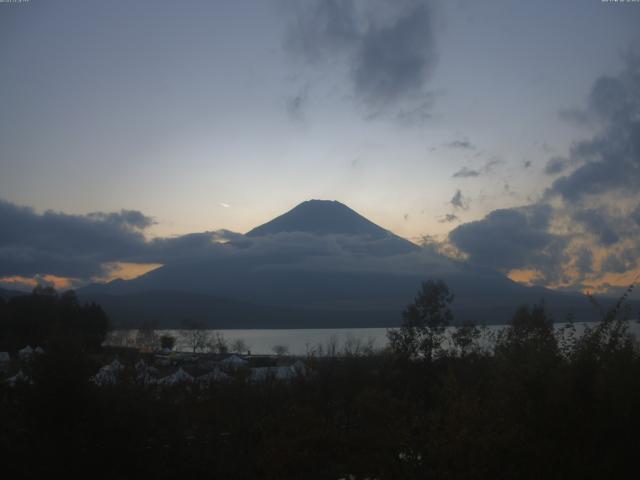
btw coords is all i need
(321, 217)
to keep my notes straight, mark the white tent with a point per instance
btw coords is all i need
(115, 366)
(145, 374)
(108, 375)
(234, 360)
(19, 377)
(26, 353)
(104, 377)
(214, 376)
(177, 378)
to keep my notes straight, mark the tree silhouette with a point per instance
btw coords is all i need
(44, 316)
(280, 350)
(168, 342)
(196, 335)
(239, 346)
(424, 322)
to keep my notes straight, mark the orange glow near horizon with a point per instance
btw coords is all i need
(18, 281)
(122, 270)
(621, 280)
(592, 285)
(127, 270)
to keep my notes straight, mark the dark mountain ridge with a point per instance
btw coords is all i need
(321, 217)
(319, 265)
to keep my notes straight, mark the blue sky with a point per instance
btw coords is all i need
(422, 116)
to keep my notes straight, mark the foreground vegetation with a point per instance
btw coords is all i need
(538, 404)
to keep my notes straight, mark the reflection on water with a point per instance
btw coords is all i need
(302, 341)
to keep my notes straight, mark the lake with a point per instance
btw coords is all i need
(304, 341)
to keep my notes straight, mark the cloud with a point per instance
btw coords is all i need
(584, 261)
(487, 168)
(28, 283)
(82, 247)
(296, 105)
(67, 245)
(466, 172)
(558, 243)
(621, 261)
(613, 263)
(294, 251)
(322, 28)
(395, 60)
(128, 218)
(598, 222)
(509, 239)
(459, 201)
(461, 144)
(449, 218)
(587, 224)
(610, 160)
(388, 49)
(635, 215)
(546, 147)
(574, 116)
(556, 165)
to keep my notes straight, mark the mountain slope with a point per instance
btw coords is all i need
(320, 264)
(168, 309)
(321, 217)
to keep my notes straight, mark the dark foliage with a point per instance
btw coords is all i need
(167, 341)
(424, 322)
(45, 317)
(538, 404)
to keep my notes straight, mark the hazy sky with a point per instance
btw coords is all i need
(422, 116)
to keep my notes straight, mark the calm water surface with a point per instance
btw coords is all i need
(304, 341)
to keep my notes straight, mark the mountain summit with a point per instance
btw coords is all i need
(321, 217)
(318, 265)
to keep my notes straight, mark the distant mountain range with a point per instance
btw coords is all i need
(319, 265)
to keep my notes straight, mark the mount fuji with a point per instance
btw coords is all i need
(320, 264)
